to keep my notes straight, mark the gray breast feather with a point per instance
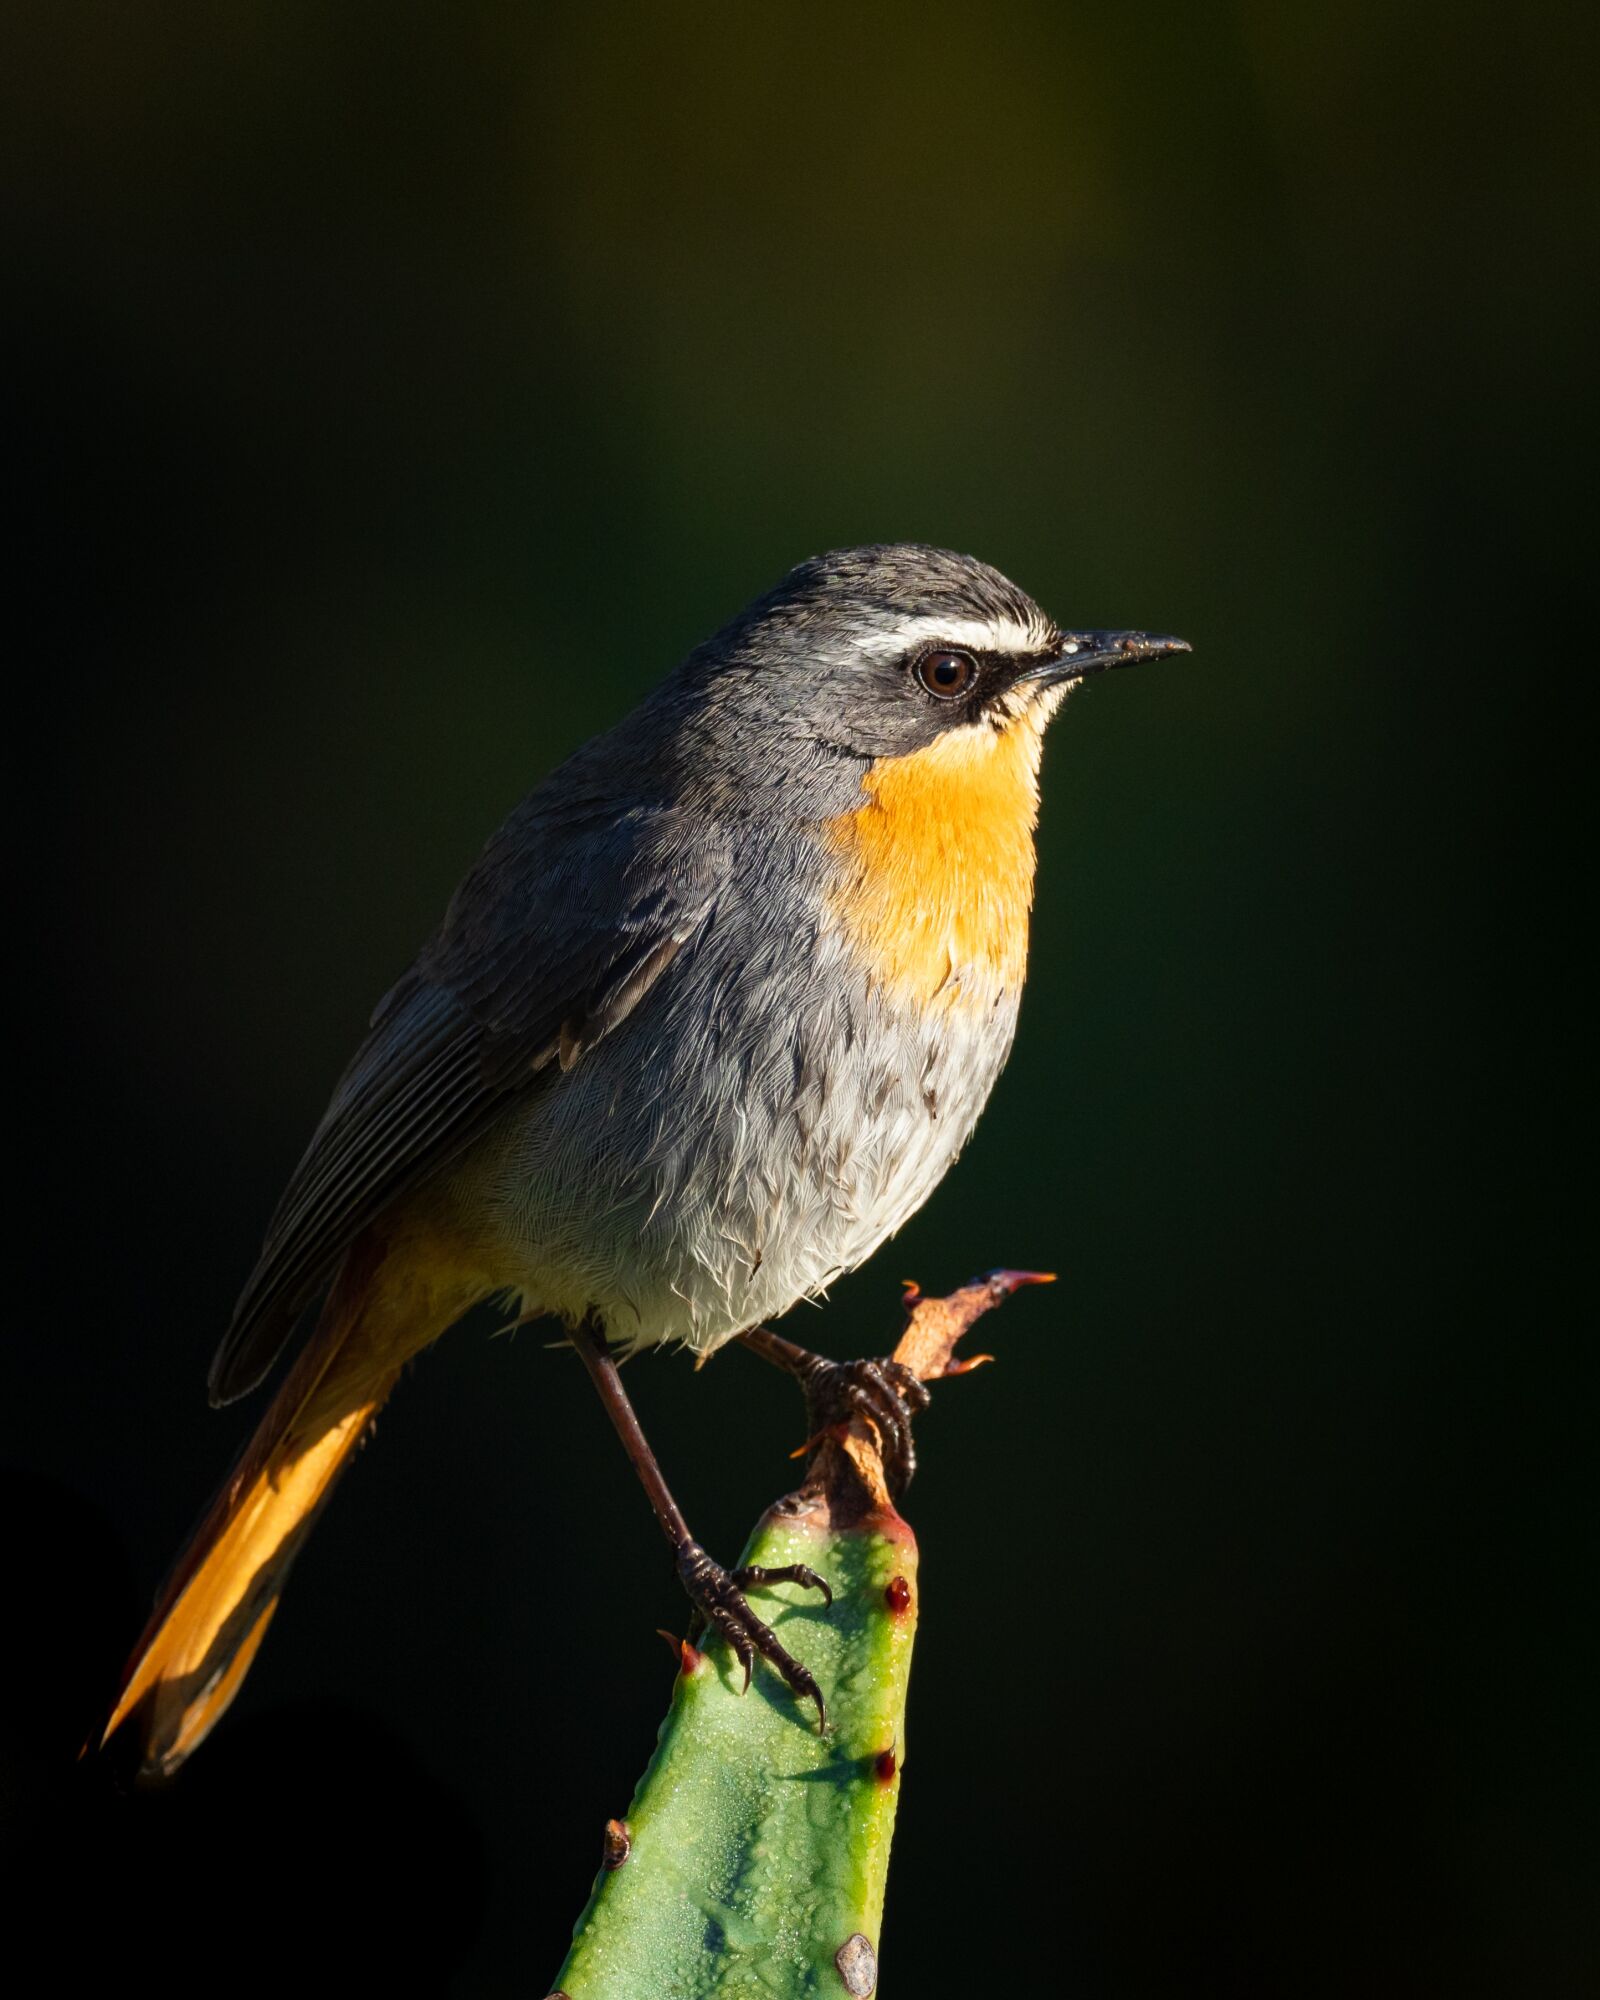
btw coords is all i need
(758, 1127)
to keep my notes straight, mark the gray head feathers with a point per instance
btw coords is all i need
(825, 658)
(888, 588)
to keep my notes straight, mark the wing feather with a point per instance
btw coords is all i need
(550, 944)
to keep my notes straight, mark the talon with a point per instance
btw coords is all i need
(802, 1573)
(809, 1687)
(885, 1393)
(719, 1599)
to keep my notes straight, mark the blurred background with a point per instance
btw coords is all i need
(397, 392)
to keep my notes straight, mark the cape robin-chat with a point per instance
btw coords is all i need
(707, 1021)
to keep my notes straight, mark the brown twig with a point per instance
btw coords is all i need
(845, 1479)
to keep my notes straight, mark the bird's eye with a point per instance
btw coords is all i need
(947, 674)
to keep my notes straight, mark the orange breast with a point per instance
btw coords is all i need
(937, 876)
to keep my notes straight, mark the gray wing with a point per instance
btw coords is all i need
(553, 939)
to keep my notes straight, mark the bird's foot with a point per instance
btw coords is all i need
(718, 1596)
(882, 1390)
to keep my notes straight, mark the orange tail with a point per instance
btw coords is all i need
(216, 1606)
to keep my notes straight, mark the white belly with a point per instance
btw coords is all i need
(736, 1154)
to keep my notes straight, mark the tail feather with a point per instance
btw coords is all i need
(217, 1604)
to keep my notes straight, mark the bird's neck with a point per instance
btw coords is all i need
(937, 861)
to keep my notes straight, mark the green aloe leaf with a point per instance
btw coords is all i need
(753, 1859)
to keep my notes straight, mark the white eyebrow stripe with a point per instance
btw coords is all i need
(995, 635)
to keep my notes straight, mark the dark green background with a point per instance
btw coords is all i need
(399, 391)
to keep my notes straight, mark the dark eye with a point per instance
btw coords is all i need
(946, 674)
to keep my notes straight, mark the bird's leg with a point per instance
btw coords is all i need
(883, 1390)
(716, 1593)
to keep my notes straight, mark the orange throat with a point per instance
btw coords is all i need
(938, 859)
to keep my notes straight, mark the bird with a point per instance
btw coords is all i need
(710, 1017)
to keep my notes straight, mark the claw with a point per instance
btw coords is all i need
(718, 1596)
(887, 1395)
(754, 1577)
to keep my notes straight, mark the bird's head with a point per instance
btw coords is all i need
(894, 700)
(888, 651)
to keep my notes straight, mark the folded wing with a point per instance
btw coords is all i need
(554, 938)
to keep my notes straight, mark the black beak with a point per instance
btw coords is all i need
(1092, 652)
